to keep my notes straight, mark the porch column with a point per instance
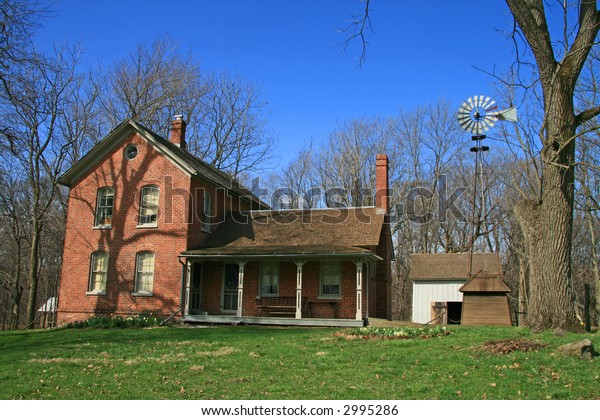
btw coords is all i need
(186, 280)
(240, 298)
(299, 265)
(359, 281)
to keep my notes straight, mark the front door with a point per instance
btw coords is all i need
(230, 288)
(196, 289)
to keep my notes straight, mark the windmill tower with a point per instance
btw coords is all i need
(477, 115)
(485, 295)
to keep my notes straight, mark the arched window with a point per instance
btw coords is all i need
(149, 206)
(104, 207)
(98, 272)
(144, 273)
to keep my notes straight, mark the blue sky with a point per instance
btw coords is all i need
(420, 51)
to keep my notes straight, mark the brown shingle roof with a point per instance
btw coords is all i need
(485, 281)
(451, 266)
(319, 231)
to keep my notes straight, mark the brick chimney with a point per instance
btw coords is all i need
(177, 135)
(382, 188)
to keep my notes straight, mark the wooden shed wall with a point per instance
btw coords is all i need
(486, 309)
(426, 292)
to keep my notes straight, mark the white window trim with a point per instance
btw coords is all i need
(136, 291)
(260, 276)
(206, 224)
(92, 272)
(98, 225)
(329, 296)
(149, 224)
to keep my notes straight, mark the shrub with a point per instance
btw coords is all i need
(398, 332)
(134, 321)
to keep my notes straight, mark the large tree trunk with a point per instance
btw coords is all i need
(548, 224)
(547, 227)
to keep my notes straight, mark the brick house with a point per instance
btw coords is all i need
(152, 229)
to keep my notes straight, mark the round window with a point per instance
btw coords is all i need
(131, 152)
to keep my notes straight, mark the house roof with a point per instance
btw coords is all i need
(451, 266)
(318, 232)
(180, 157)
(484, 281)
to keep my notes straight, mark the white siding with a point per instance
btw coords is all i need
(425, 292)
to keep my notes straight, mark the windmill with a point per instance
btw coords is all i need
(477, 115)
(485, 294)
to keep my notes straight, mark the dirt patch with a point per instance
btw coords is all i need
(510, 345)
(223, 351)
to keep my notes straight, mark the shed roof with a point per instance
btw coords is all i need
(49, 306)
(339, 231)
(451, 266)
(486, 282)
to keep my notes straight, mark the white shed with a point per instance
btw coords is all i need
(436, 280)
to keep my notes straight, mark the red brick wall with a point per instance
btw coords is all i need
(125, 239)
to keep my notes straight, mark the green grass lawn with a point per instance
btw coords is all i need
(286, 363)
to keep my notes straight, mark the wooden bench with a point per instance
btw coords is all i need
(278, 305)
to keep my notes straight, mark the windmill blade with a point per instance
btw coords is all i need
(471, 105)
(468, 126)
(489, 122)
(465, 107)
(491, 106)
(481, 98)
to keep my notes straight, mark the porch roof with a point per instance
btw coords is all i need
(316, 233)
(280, 252)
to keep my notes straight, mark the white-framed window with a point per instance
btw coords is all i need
(148, 206)
(144, 273)
(207, 211)
(98, 273)
(104, 207)
(269, 279)
(331, 279)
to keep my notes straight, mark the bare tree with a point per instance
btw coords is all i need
(226, 114)
(18, 21)
(231, 129)
(34, 102)
(149, 84)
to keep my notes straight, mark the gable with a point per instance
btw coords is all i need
(184, 161)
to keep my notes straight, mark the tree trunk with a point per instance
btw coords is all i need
(548, 226)
(33, 275)
(523, 282)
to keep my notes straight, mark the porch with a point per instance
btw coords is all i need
(320, 289)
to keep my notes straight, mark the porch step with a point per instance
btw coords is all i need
(308, 322)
